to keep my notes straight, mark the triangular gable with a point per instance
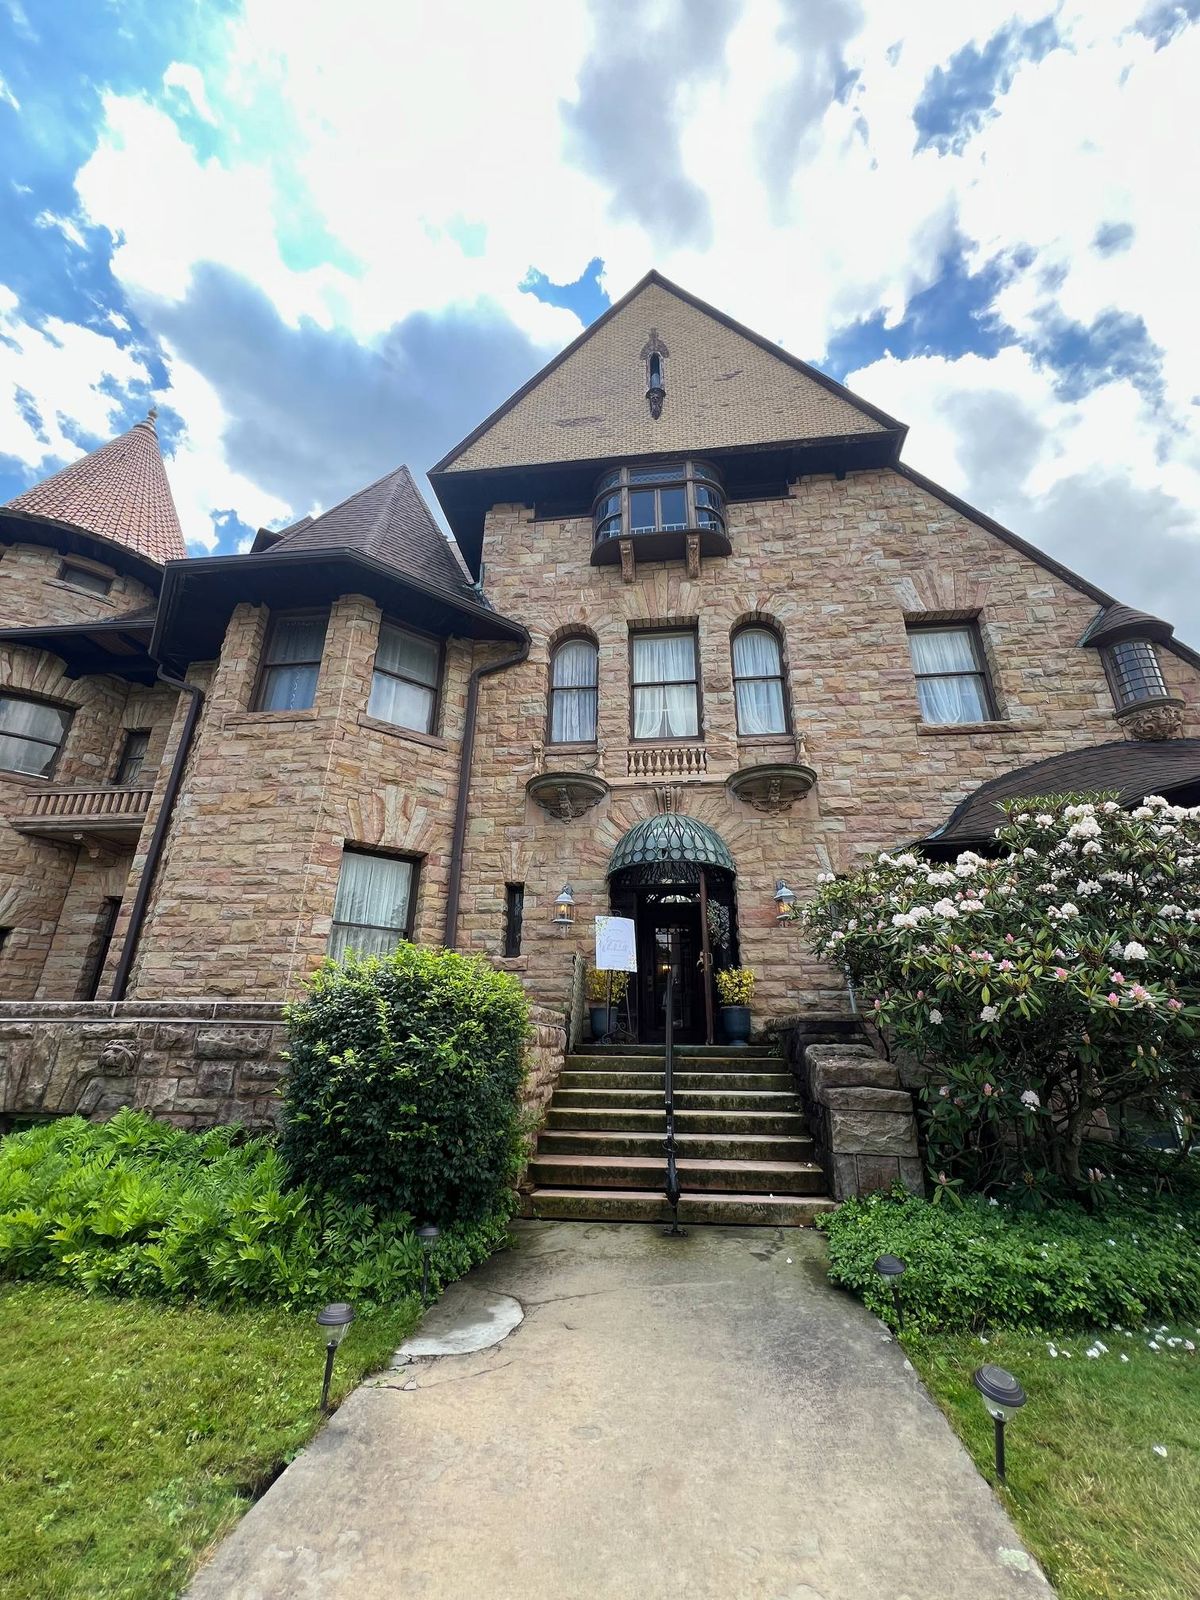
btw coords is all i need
(726, 387)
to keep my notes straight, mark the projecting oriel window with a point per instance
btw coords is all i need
(573, 675)
(291, 662)
(665, 684)
(758, 682)
(1134, 672)
(952, 684)
(31, 735)
(373, 911)
(408, 670)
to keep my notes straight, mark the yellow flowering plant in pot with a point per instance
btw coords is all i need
(602, 1016)
(735, 990)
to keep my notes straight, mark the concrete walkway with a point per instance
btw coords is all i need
(675, 1419)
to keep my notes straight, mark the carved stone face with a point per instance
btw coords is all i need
(117, 1056)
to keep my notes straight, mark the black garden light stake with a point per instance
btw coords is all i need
(1002, 1395)
(891, 1269)
(333, 1322)
(429, 1233)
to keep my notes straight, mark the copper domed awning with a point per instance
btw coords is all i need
(670, 846)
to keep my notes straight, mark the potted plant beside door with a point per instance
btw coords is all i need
(602, 1019)
(735, 990)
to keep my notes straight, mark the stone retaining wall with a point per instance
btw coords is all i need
(861, 1118)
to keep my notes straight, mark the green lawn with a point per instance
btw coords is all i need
(133, 1435)
(1108, 1517)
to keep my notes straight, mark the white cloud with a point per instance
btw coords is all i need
(7, 97)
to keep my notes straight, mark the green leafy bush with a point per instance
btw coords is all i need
(1051, 989)
(981, 1265)
(133, 1206)
(402, 1083)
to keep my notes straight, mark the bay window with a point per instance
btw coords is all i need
(1134, 673)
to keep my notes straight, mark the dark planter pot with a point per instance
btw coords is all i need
(735, 1025)
(602, 1021)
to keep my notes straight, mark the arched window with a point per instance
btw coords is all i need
(573, 678)
(758, 682)
(655, 371)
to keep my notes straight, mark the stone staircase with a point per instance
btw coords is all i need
(742, 1144)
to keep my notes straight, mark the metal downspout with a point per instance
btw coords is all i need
(466, 755)
(170, 794)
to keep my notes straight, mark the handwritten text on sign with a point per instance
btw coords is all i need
(616, 949)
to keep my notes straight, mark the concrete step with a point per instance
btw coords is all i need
(697, 1146)
(771, 1178)
(639, 1119)
(685, 1100)
(690, 1052)
(643, 1205)
(780, 1082)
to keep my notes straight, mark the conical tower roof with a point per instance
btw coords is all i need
(119, 492)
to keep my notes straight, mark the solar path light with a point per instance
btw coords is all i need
(891, 1269)
(429, 1233)
(333, 1321)
(1002, 1395)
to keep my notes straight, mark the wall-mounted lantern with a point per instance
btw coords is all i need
(785, 899)
(564, 907)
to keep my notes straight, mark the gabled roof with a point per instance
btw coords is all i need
(119, 493)
(389, 521)
(726, 386)
(1128, 768)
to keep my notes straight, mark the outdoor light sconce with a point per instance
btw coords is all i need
(785, 899)
(891, 1269)
(564, 907)
(1002, 1396)
(429, 1233)
(333, 1322)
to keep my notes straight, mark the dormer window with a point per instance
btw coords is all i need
(1134, 673)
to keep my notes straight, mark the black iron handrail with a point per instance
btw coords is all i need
(673, 1189)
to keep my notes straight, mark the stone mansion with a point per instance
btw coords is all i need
(701, 635)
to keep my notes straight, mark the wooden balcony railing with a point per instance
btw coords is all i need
(668, 761)
(108, 809)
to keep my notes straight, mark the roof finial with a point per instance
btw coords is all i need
(152, 415)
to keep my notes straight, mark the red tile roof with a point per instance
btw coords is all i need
(119, 492)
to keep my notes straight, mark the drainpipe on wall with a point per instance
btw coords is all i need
(154, 852)
(454, 888)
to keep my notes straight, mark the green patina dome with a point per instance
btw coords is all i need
(670, 838)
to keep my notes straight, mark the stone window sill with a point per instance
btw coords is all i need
(776, 741)
(240, 719)
(940, 730)
(377, 725)
(565, 749)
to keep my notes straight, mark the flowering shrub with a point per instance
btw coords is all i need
(735, 986)
(1048, 988)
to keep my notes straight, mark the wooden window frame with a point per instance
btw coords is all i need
(969, 626)
(435, 714)
(782, 679)
(415, 862)
(55, 705)
(266, 665)
(1112, 672)
(580, 635)
(119, 779)
(641, 633)
(688, 474)
(93, 569)
(514, 919)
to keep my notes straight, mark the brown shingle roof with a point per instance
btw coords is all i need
(389, 521)
(119, 492)
(1120, 621)
(1129, 769)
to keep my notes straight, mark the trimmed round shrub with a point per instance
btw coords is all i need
(402, 1083)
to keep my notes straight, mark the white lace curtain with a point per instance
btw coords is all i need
(371, 911)
(950, 685)
(294, 648)
(665, 704)
(573, 693)
(758, 682)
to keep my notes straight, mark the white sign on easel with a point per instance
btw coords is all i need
(616, 944)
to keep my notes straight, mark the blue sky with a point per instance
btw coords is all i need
(324, 254)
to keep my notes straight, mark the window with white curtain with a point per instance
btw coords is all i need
(952, 684)
(291, 662)
(31, 735)
(372, 913)
(408, 669)
(758, 682)
(666, 692)
(573, 679)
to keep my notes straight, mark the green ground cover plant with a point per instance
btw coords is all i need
(135, 1207)
(978, 1266)
(402, 1083)
(1103, 1460)
(134, 1434)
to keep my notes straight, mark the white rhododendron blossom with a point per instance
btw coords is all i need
(1031, 1099)
(988, 1014)
(1134, 951)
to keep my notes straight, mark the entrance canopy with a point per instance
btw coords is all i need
(670, 843)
